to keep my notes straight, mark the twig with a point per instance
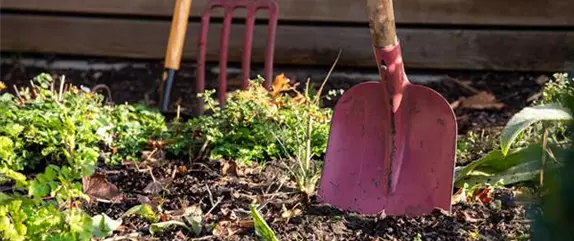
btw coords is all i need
(544, 146)
(18, 93)
(210, 195)
(130, 236)
(103, 86)
(62, 81)
(202, 238)
(463, 85)
(215, 205)
(328, 75)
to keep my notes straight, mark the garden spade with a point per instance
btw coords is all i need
(392, 144)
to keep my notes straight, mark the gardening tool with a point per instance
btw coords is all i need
(229, 6)
(392, 144)
(174, 48)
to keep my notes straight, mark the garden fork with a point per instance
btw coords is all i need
(229, 6)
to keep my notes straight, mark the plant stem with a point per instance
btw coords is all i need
(544, 147)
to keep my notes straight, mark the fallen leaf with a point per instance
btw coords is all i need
(468, 218)
(158, 227)
(104, 225)
(459, 196)
(483, 195)
(156, 186)
(182, 169)
(227, 228)
(280, 84)
(481, 100)
(180, 236)
(186, 211)
(97, 187)
(229, 168)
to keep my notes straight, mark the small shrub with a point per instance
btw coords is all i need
(534, 139)
(244, 130)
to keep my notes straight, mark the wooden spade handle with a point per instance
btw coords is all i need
(177, 34)
(382, 23)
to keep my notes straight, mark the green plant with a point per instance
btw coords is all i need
(51, 136)
(554, 218)
(129, 130)
(529, 159)
(261, 226)
(307, 170)
(243, 130)
(48, 142)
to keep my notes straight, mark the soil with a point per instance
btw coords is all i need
(223, 191)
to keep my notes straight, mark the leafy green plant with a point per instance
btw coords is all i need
(555, 217)
(261, 226)
(51, 136)
(527, 160)
(243, 130)
(130, 129)
(301, 127)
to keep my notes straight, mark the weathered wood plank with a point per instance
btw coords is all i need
(480, 12)
(440, 49)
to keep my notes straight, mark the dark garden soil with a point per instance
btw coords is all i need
(223, 191)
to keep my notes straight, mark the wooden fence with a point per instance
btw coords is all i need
(533, 35)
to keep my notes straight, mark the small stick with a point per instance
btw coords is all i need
(544, 146)
(18, 93)
(178, 111)
(33, 89)
(210, 195)
(465, 86)
(63, 80)
(214, 205)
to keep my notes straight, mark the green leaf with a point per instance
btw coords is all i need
(143, 210)
(104, 225)
(521, 164)
(158, 227)
(261, 227)
(195, 222)
(6, 148)
(528, 116)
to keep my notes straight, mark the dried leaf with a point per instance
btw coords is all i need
(280, 84)
(182, 169)
(227, 228)
(156, 186)
(229, 168)
(459, 196)
(468, 218)
(481, 100)
(483, 195)
(97, 187)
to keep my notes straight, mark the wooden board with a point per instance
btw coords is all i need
(476, 12)
(440, 49)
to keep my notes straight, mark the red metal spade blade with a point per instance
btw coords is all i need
(398, 160)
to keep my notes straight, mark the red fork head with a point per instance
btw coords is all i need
(229, 6)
